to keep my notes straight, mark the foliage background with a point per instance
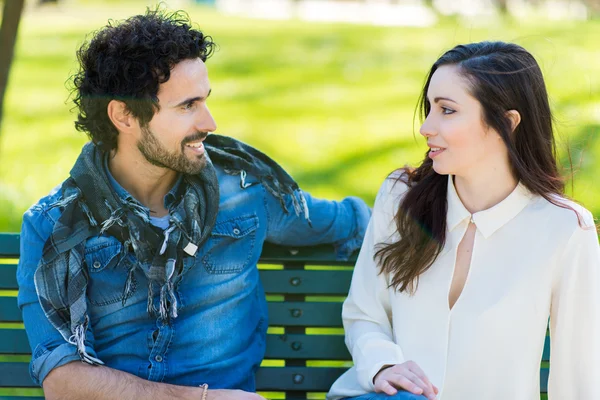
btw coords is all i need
(333, 103)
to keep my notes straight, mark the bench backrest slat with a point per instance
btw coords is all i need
(9, 245)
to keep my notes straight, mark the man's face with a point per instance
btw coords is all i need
(173, 138)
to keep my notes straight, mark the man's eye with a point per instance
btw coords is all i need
(447, 111)
(189, 106)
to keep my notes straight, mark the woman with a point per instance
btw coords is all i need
(468, 255)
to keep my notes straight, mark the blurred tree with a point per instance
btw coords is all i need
(11, 16)
(502, 6)
(593, 6)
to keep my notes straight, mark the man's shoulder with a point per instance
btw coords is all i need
(231, 183)
(42, 212)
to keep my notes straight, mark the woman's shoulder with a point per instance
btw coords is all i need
(564, 213)
(391, 192)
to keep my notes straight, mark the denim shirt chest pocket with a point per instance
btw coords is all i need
(108, 270)
(231, 245)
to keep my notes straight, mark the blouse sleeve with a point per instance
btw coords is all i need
(575, 319)
(367, 312)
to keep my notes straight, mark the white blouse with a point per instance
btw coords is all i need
(531, 261)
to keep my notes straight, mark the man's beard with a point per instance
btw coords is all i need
(157, 155)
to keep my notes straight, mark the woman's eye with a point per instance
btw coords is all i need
(447, 111)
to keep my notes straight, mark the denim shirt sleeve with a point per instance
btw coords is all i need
(342, 223)
(49, 349)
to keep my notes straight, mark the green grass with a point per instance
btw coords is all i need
(332, 102)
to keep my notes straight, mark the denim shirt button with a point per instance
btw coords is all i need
(236, 231)
(97, 264)
(158, 358)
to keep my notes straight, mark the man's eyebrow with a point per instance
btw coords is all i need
(193, 99)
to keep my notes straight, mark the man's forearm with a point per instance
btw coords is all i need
(80, 381)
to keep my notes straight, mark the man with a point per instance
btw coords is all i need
(138, 274)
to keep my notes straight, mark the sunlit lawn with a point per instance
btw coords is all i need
(333, 103)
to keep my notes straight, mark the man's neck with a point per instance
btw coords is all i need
(481, 191)
(147, 183)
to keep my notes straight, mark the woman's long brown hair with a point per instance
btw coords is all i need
(502, 77)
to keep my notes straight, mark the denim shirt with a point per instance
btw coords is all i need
(219, 336)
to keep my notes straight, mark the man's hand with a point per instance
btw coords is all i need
(408, 376)
(231, 394)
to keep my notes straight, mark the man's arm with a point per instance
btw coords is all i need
(342, 223)
(80, 381)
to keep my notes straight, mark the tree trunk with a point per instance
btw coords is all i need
(593, 6)
(502, 6)
(8, 36)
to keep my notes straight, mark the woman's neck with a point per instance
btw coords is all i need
(479, 192)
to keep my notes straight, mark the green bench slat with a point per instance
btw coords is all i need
(14, 341)
(267, 378)
(9, 245)
(15, 374)
(310, 314)
(313, 255)
(302, 347)
(310, 379)
(8, 277)
(307, 347)
(9, 311)
(274, 281)
(20, 398)
(280, 313)
(315, 379)
(286, 346)
(306, 282)
(272, 253)
(544, 372)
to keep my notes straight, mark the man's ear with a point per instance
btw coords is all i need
(121, 117)
(515, 119)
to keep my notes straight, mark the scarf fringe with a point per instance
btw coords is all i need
(88, 213)
(116, 215)
(137, 209)
(168, 302)
(129, 285)
(66, 201)
(150, 304)
(78, 198)
(78, 339)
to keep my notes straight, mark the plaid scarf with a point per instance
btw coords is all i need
(91, 207)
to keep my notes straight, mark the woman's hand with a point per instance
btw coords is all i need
(408, 376)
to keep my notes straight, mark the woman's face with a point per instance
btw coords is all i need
(461, 143)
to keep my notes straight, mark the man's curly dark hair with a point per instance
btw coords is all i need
(127, 61)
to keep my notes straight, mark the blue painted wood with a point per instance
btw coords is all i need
(9, 245)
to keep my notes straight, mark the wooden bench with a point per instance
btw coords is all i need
(305, 344)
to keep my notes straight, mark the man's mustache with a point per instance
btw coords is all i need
(195, 137)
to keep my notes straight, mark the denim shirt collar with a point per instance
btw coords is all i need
(124, 194)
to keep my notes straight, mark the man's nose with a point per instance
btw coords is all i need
(206, 123)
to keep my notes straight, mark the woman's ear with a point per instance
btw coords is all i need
(515, 119)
